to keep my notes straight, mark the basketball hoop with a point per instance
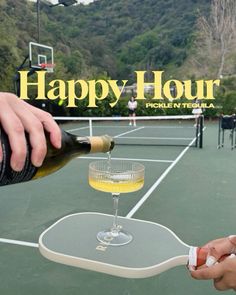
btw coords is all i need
(47, 66)
(41, 57)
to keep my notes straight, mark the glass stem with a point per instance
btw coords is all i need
(115, 227)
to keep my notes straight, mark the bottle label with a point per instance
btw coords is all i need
(7, 174)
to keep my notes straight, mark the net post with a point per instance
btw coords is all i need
(90, 127)
(197, 132)
(234, 130)
(219, 131)
(201, 132)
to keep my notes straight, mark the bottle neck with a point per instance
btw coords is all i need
(101, 144)
(84, 145)
(75, 145)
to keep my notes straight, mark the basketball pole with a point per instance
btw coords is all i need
(38, 20)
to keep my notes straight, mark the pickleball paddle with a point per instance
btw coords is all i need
(153, 250)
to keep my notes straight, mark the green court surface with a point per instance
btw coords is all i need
(194, 196)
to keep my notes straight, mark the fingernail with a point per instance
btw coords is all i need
(191, 268)
(37, 163)
(231, 255)
(17, 166)
(59, 143)
(56, 142)
(210, 261)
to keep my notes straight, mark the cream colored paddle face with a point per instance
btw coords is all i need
(154, 248)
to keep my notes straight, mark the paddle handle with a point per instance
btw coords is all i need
(198, 256)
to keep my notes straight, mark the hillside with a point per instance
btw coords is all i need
(119, 37)
(111, 38)
(185, 38)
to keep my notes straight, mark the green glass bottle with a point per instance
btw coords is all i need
(72, 147)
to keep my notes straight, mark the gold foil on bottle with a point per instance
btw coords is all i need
(100, 144)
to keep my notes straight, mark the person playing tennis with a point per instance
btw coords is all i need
(132, 106)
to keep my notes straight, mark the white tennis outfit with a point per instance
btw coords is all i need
(132, 105)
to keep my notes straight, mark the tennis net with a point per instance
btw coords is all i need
(155, 130)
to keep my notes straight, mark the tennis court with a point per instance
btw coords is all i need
(189, 190)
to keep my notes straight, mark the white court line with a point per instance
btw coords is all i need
(136, 129)
(86, 127)
(169, 127)
(71, 130)
(111, 126)
(147, 126)
(127, 159)
(158, 181)
(21, 243)
(166, 138)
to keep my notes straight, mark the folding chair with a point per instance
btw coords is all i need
(227, 123)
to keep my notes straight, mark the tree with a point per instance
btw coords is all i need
(218, 32)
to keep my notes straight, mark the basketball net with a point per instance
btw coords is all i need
(47, 66)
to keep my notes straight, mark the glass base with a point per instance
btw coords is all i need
(114, 237)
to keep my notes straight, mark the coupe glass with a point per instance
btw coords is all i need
(116, 177)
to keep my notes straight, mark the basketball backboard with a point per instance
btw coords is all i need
(41, 56)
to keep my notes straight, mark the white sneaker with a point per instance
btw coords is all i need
(130, 123)
(134, 124)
